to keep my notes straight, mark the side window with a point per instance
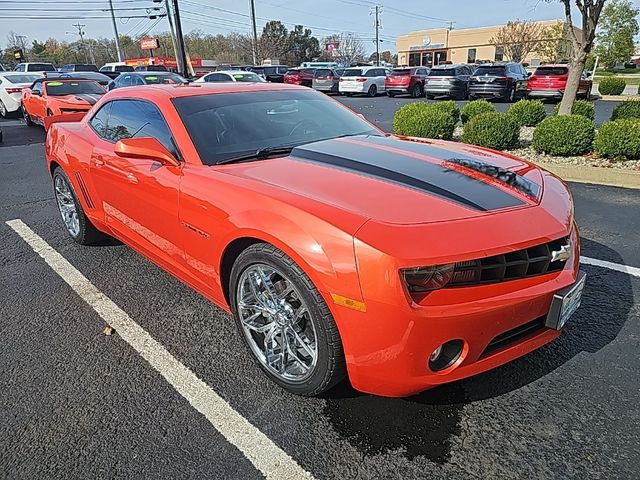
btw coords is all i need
(20, 68)
(137, 81)
(99, 120)
(135, 118)
(124, 80)
(217, 77)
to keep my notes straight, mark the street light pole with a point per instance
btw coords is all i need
(181, 59)
(377, 37)
(254, 42)
(115, 31)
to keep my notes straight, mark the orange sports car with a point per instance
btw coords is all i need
(403, 263)
(58, 96)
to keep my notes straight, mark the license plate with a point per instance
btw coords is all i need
(565, 303)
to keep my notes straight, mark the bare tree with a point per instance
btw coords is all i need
(581, 45)
(348, 48)
(517, 39)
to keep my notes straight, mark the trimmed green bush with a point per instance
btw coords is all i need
(420, 119)
(580, 107)
(619, 139)
(450, 107)
(474, 108)
(626, 109)
(564, 135)
(492, 130)
(528, 113)
(612, 86)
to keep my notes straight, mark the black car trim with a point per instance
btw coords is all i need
(406, 171)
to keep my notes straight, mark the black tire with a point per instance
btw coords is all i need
(87, 234)
(373, 91)
(4, 113)
(330, 367)
(416, 91)
(391, 94)
(27, 118)
(510, 95)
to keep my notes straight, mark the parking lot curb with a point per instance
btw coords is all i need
(618, 98)
(612, 177)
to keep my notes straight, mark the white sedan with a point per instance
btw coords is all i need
(11, 85)
(231, 76)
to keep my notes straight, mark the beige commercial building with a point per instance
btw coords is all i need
(469, 45)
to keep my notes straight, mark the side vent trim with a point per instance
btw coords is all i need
(83, 190)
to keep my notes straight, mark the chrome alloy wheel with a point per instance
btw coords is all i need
(67, 205)
(277, 323)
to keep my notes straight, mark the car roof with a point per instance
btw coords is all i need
(231, 72)
(147, 73)
(554, 65)
(448, 65)
(157, 91)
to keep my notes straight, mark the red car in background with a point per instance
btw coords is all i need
(549, 81)
(300, 76)
(406, 81)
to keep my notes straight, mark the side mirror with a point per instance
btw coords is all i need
(145, 147)
(37, 93)
(111, 85)
(529, 74)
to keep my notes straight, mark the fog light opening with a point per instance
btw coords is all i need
(445, 355)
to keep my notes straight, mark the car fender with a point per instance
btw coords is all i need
(330, 264)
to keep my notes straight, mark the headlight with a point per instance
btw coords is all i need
(425, 279)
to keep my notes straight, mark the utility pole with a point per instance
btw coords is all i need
(115, 31)
(182, 54)
(377, 24)
(80, 26)
(254, 42)
(172, 28)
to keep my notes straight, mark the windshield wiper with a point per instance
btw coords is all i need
(259, 154)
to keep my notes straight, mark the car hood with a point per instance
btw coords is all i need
(79, 98)
(400, 180)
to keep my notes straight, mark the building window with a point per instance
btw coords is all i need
(427, 59)
(440, 58)
(471, 55)
(499, 54)
(414, 59)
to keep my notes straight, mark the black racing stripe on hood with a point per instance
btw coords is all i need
(407, 171)
(516, 181)
(90, 98)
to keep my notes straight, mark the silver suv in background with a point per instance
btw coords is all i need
(448, 81)
(327, 79)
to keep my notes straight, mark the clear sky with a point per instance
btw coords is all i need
(224, 16)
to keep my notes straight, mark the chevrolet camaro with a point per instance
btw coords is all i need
(340, 251)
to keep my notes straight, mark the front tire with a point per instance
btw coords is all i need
(27, 117)
(285, 322)
(78, 226)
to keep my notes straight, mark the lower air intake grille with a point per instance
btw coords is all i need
(510, 266)
(514, 335)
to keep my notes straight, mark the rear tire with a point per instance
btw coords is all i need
(262, 273)
(391, 94)
(78, 226)
(416, 91)
(373, 91)
(4, 113)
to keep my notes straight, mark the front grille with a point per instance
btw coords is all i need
(514, 335)
(529, 262)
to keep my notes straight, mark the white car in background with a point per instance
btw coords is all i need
(11, 85)
(231, 76)
(367, 80)
(35, 67)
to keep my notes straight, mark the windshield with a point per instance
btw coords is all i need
(56, 89)
(163, 79)
(489, 71)
(551, 71)
(224, 126)
(21, 78)
(442, 72)
(86, 68)
(40, 67)
(352, 72)
(246, 77)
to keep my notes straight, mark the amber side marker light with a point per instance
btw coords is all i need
(349, 302)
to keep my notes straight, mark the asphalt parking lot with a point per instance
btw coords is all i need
(77, 403)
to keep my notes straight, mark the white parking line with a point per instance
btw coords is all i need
(266, 456)
(611, 266)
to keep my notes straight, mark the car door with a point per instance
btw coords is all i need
(139, 197)
(36, 101)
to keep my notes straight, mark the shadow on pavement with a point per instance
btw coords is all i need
(18, 135)
(425, 423)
